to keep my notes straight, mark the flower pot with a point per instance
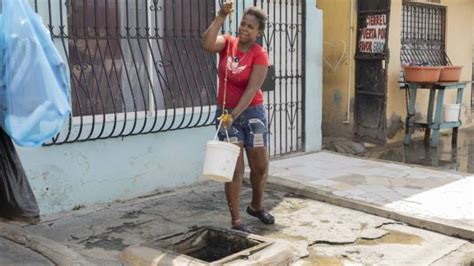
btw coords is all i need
(422, 74)
(450, 74)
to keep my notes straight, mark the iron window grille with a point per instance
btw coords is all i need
(136, 67)
(423, 34)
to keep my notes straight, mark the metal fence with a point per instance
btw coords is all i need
(137, 66)
(284, 40)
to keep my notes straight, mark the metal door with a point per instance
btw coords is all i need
(284, 41)
(371, 70)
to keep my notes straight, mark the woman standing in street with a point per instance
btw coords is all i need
(242, 68)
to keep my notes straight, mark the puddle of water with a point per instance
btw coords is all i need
(446, 156)
(316, 260)
(319, 260)
(393, 237)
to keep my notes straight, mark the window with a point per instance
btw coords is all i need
(139, 56)
(423, 34)
(136, 67)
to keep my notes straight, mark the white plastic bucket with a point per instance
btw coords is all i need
(220, 160)
(451, 112)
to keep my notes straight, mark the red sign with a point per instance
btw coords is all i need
(373, 36)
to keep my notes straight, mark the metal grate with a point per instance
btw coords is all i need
(423, 34)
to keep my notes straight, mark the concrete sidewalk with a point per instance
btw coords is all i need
(436, 200)
(319, 233)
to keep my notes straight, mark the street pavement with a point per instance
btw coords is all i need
(324, 205)
(441, 201)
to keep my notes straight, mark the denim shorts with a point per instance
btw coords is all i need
(250, 128)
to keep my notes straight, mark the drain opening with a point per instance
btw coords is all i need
(209, 244)
(216, 245)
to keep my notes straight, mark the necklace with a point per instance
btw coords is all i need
(237, 59)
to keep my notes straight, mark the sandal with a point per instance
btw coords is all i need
(242, 228)
(264, 216)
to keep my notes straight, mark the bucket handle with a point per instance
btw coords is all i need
(226, 132)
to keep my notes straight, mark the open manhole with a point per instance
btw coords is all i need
(212, 245)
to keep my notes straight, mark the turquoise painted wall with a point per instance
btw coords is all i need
(91, 172)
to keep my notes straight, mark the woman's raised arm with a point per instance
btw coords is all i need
(211, 40)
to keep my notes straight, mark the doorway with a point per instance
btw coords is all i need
(371, 70)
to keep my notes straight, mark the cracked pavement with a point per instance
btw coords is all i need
(322, 233)
(407, 193)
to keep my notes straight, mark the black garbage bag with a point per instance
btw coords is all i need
(16, 197)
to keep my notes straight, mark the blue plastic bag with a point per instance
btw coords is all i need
(34, 80)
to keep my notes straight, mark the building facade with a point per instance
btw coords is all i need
(143, 95)
(362, 95)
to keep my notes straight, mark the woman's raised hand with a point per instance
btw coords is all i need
(226, 8)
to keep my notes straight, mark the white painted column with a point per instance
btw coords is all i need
(313, 77)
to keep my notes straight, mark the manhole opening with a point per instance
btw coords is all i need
(215, 245)
(209, 244)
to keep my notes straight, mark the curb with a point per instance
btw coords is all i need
(284, 185)
(57, 253)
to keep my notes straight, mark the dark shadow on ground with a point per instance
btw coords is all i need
(139, 221)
